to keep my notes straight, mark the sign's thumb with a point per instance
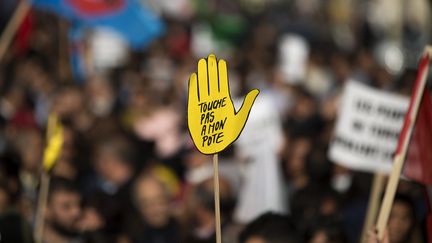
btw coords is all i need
(244, 110)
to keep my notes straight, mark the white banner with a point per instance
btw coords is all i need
(367, 130)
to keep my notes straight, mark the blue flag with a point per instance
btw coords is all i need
(137, 24)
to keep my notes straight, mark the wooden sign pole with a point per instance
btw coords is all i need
(12, 26)
(42, 202)
(399, 158)
(217, 200)
(374, 200)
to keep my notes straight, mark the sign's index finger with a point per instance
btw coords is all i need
(203, 87)
(194, 95)
(213, 75)
(223, 78)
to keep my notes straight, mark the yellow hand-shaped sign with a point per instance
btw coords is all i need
(212, 120)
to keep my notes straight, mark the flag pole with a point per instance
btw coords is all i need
(399, 158)
(373, 204)
(217, 200)
(12, 26)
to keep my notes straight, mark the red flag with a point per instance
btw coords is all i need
(418, 161)
(413, 150)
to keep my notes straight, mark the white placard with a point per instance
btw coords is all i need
(367, 129)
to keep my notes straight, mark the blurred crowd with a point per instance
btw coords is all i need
(128, 170)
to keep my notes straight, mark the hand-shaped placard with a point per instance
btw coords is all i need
(212, 120)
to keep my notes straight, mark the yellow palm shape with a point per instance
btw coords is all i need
(212, 119)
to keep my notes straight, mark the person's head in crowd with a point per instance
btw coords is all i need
(314, 200)
(341, 65)
(137, 99)
(305, 105)
(68, 101)
(9, 174)
(63, 211)
(401, 224)
(318, 166)
(295, 163)
(66, 165)
(13, 182)
(201, 209)
(204, 195)
(325, 230)
(194, 159)
(101, 96)
(32, 72)
(151, 198)
(5, 197)
(29, 143)
(270, 228)
(65, 168)
(405, 81)
(364, 64)
(402, 219)
(14, 227)
(304, 119)
(114, 160)
(13, 99)
(193, 162)
(329, 111)
(301, 146)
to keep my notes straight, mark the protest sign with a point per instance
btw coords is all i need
(51, 154)
(212, 120)
(367, 129)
